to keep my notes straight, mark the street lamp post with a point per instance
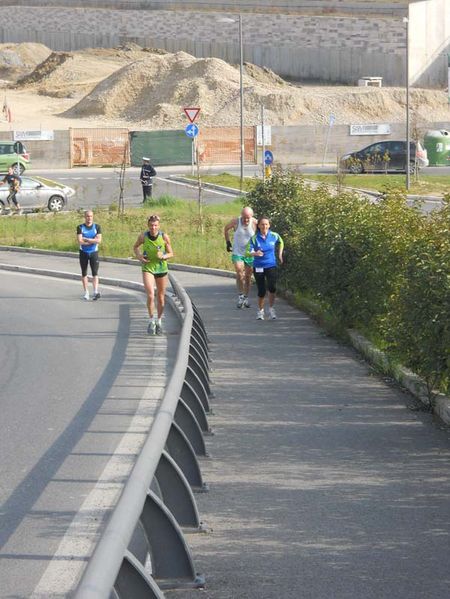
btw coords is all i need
(241, 92)
(241, 101)
(408, 149)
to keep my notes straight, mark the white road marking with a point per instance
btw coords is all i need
(68, 563)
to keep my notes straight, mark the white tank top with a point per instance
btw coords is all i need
(242, 237)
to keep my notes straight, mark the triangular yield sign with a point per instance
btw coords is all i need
(191, 113)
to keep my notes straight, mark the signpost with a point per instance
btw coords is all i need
(331, 121)
(268, 158)
(268, 161)
(191, 130)
(191, 113)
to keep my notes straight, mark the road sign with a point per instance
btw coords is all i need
(268, 157)
(191, 113)
(191, 130)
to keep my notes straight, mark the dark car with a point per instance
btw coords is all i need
(385, 156)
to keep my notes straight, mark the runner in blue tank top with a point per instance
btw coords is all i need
(265, 247)
(89, 235)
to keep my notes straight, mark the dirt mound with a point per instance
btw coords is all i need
(45, 69)
(16, 60)
(152, 92)
(155, 90)
(75, 74)
(147, 88)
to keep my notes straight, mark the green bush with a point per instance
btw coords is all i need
(383, 268)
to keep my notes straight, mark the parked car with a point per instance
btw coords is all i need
(385, 156)
(13, 153)
(38, 193)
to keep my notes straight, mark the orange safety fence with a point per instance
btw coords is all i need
(222, 145)
(99, 147)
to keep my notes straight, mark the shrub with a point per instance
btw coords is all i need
(381, 267)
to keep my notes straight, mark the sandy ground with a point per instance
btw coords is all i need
(143, 88)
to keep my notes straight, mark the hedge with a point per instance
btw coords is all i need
(383, 268)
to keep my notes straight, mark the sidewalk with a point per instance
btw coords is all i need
(323, 484)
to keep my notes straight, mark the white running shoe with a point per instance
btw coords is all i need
(272, 314)
(151, 329)
(158, 329)
(86, 296)
(241, 300)
(246, 302)
(260, 315)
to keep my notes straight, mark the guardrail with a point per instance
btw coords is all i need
(142, 549)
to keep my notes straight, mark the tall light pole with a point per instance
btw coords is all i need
(408, 149)
(241, 92)
(241, 100)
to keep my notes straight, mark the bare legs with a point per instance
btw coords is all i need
(149, 284)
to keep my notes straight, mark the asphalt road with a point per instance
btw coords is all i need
(100, 187)
(74, 399)
(325, 481)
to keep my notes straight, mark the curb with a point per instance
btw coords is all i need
(230, 190)
(132, 261)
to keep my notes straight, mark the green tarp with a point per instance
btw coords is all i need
(163, 147)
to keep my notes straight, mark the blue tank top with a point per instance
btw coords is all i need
(89, 233)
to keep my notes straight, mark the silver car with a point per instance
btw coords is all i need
(38, 193)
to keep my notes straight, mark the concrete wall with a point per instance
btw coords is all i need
(326, 40)
(292, 146)
(297, 145)
(47, 154)
(429, 42)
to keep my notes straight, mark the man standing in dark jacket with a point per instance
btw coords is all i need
(147, 174)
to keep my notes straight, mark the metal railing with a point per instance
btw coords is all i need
(142, 549)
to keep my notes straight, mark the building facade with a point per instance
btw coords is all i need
(328, 41)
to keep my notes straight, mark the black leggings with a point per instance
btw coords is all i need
(91, 260)
(269, 277)
(12, 198)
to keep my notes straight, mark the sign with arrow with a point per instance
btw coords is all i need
(191, 113)
(191, 130)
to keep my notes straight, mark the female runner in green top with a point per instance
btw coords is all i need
(156, 250)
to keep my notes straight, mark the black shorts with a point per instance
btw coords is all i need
(91, 260)
(266, 280)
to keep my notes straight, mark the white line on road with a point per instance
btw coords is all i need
(67, 565)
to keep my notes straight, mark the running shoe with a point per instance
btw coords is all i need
(272, 314)
(241, 299)
(96, 296)
(158, 329)
(260, 315)
(246, 302)
(86, 296)
(151, 329)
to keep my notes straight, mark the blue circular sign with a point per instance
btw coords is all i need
(268, 157)
(191, 130)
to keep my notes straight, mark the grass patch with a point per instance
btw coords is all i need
(179, 219)
(426, 184)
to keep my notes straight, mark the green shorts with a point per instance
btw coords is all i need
(247, 260)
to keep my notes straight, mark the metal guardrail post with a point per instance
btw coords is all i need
(189, 425)
(177, 494)
(192, 400)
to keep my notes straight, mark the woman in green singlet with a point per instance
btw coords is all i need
(153, 256)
